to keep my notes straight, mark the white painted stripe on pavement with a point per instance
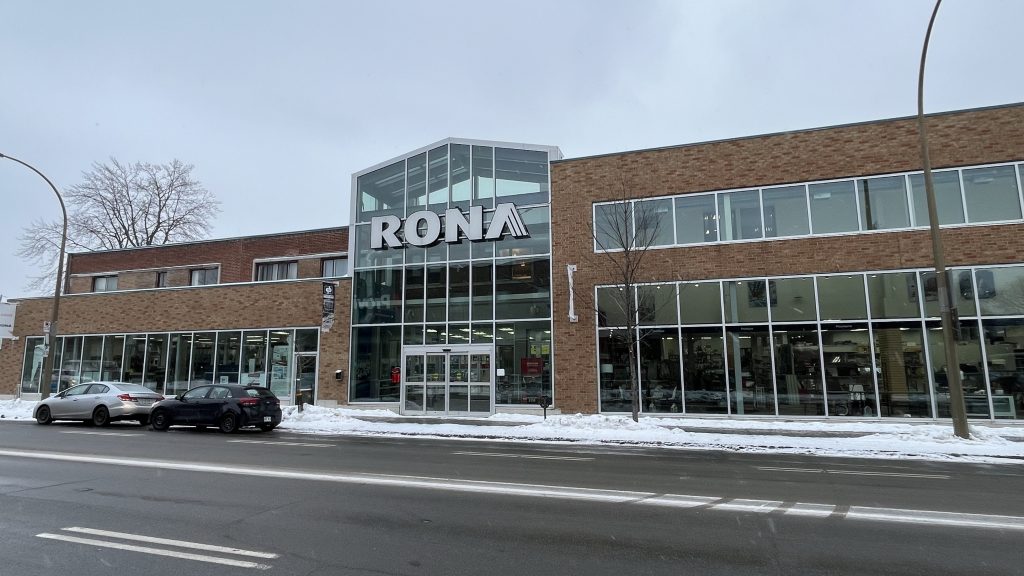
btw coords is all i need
(100, 433)
(960, 519)
(812, 510)
(926, 517)
(278, 443)
(529, 456)
(894, 474)
(169, 542)
(854, 472)
(154, 551)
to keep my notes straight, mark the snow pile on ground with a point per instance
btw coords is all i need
(990, 442)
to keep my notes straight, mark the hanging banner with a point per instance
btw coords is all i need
(7, 320)
(327, 317)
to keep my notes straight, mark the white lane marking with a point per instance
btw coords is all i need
(100, 433)
(527, 456)
(169, 542)
(154, 551)
(278, 443)
(854, 472)
(812, 510)
(927, 517)
(959, 519)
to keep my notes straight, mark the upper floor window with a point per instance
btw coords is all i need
(161, 279)
(333, 267)
(204, 276)
(277, 271)
(104, 283)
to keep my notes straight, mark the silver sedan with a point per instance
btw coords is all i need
(99, 403)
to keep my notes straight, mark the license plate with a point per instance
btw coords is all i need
(268, 419)
(144, 402)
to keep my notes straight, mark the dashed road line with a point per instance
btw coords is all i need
(527, 456)
(280, 443)
(100, 433)
(64, 537)
(853, 472)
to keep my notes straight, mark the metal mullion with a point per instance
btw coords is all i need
(821, 348)
(908, 188)
(871, 347)
(963, 196)
(984, 367)
(679, 336)
(856, 205)
(929, 370)
(1020, 194)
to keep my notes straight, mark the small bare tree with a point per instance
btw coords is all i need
(122, 206)
(623, 232)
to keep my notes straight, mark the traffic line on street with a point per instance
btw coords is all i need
(63, 537)
(100, 433)
(853, 472)
(280, 443)
(527, 456)
(626, 497)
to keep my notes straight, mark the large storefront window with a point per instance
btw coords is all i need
(375, 351)
(71, 363)
(798, 370)
(660, 378)
(155, 374)
(749, 357)
(378, 298)
(229, 348)
(113, 354)
(902, 370)
(972, 369)
(1004, 348)
(202, 358)
(522, 288)
(849, 384)
(280, 343)
(179, 356)
(1001, 290)
(523, 351)
(613, 365)
(92, 358)
(31, 372)
(704, 389)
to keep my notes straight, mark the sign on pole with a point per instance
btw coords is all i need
(327, 316)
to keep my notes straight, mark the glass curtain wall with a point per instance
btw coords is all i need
(169, 363)
(970, 195)
(494, 291)
(860, 345)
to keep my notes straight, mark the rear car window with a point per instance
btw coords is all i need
(133, 388)
(257, 392)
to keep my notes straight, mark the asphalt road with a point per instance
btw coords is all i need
(90, 501)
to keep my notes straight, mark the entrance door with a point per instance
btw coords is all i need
(305, 379)
(457, 380)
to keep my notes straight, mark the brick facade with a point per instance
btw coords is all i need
(137, 268)
(957, 139)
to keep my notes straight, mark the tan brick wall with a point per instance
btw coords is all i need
(960, 139)
(273, 305)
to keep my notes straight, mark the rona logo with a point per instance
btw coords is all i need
(424, 228)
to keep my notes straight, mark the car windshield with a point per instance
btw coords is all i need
(132, 388)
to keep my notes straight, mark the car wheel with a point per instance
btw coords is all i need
(101, 416)
(43, 415)
(228, 423)
(143, 420)
(159, 420)
(267, 427)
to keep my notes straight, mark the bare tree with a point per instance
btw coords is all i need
(122, 206)
(623, 233)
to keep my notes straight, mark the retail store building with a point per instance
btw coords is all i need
(788, 276)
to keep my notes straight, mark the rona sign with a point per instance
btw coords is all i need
(424, 228)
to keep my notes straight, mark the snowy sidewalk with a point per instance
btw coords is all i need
(990, 442)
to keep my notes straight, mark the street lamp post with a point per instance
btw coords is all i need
(947, 302)
(51, 337)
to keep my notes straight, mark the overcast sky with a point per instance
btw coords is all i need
(278, 103)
